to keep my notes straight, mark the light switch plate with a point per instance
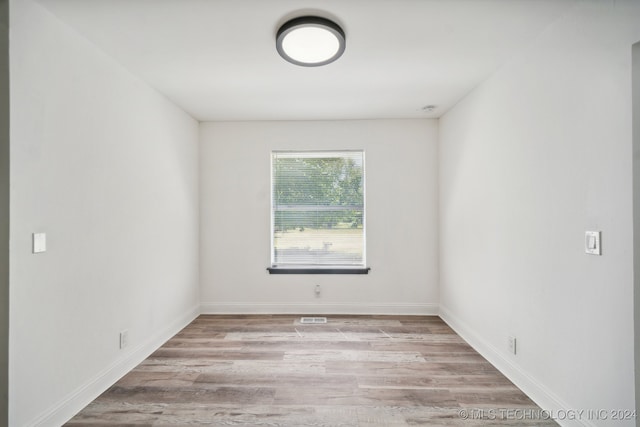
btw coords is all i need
(592, 243)
(39, 243)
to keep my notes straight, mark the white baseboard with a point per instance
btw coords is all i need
(540, 394)
(70, 405)
(67, 407)
(426, 309)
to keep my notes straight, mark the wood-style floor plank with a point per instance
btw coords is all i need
(359, 371)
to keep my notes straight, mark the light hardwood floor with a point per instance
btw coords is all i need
(352, 371)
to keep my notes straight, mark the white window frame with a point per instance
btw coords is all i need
(359, 268)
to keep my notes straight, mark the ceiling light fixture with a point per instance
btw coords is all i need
(310, 41)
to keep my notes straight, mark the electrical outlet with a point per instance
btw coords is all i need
(512, 345)
(318, 291)
(124, 339)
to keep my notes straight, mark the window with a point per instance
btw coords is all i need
(318, 212)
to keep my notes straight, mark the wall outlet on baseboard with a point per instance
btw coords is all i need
(124, 339)
(317, 291)
(512, 345)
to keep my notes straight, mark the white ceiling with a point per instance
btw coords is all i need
(216, 59)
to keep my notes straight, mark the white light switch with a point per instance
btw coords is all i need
(39, 243)
(592, 243)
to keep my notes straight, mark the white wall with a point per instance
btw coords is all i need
(108, 169)
(535, 156)
(4, 211)
(636, 212)
(401, 197)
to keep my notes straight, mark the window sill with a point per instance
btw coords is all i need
(305, 270)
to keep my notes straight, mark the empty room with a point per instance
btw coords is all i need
(337, 212)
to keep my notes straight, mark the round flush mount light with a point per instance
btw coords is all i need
(310, 41)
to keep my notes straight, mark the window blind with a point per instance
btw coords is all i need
(318, 209)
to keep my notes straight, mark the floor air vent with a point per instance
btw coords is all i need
(313, 320)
